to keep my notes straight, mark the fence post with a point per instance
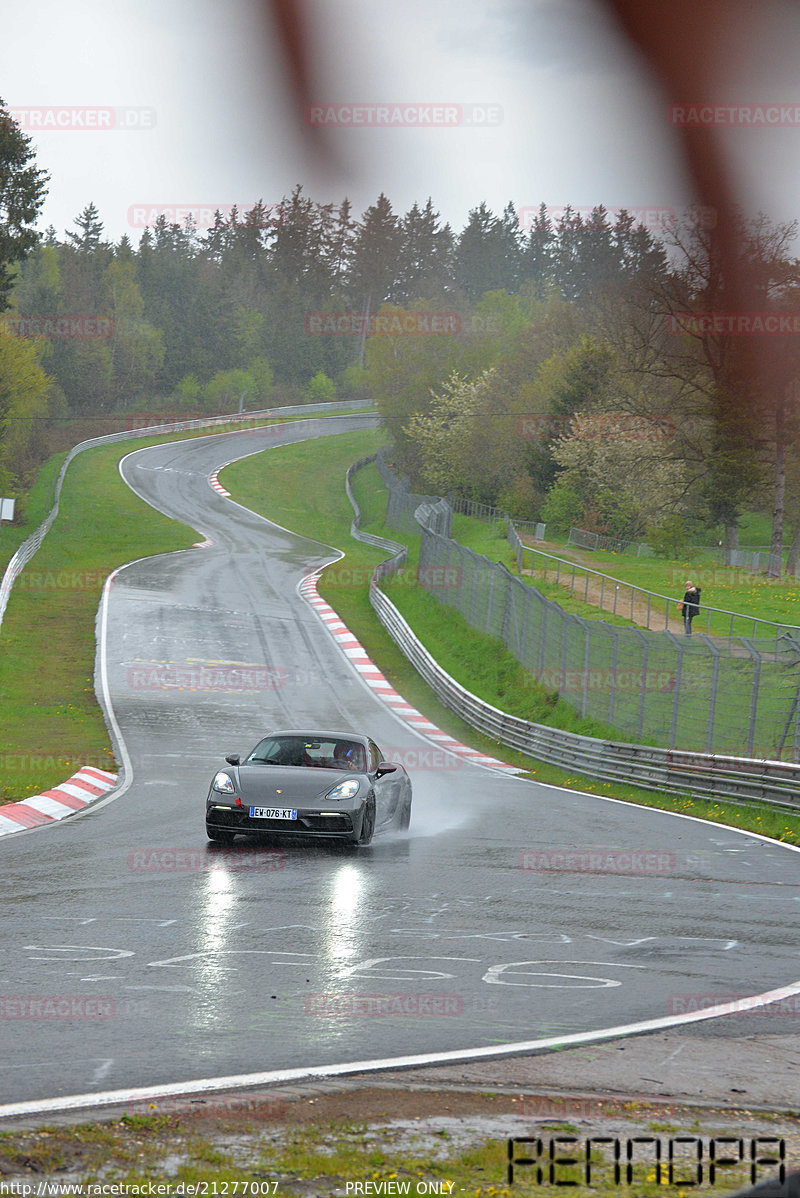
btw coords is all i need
(643, 683)
(524, 646)
(505, 623)
(612, 693)
(751, 722)
(489, 605)
(474, 597)
(794, 709)
(712, 698)
(676, 689)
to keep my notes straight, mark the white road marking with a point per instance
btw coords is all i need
(283, 1076)
(101, 1071)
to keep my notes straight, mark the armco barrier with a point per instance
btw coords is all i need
(652, 768)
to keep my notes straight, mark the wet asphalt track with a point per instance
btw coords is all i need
(214, 962)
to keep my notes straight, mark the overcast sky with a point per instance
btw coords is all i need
(550, 106)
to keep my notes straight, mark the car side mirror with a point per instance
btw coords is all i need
(385, 767)
(233, 759)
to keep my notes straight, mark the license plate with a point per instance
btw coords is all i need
(273, 813)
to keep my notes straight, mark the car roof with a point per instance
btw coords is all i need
(318, 734)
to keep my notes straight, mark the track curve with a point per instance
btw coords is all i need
(183, 962)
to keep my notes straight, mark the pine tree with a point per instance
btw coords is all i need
(89, 237)
(22, 194)
(379, 237)
(424, 267)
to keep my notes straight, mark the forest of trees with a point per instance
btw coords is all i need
(551, 369)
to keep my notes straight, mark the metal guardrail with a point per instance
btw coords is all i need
(30, 546)
(697, 774)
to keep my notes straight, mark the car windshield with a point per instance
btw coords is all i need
(329, 754)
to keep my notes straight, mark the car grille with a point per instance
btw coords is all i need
(236, 819)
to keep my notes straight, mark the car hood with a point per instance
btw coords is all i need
(299, 784)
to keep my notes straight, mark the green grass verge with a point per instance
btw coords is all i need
(50, 721)
(308, 479)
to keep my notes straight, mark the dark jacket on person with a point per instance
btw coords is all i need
(691, 602)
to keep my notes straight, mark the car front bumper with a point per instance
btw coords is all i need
(345, 824)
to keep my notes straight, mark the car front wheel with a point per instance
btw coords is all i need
(367, 823)
(405, 816)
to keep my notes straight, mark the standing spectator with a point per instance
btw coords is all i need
(690, 606)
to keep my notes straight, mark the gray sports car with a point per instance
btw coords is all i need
(330, 784)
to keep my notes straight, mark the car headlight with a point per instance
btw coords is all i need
(224, 783)
(345, 790)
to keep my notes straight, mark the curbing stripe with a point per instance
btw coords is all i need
(217, 485)
(81, 790)
(351, 648)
